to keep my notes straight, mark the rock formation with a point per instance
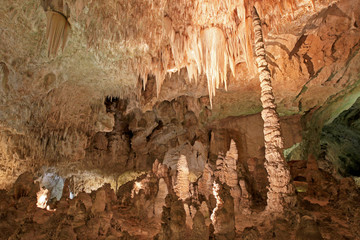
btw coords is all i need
(224, 215)
(182, 179)
(280, 191)
(200, 231)
(227, 173)
(205, 183)
(173, 218)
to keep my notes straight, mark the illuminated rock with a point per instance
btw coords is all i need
(42, 198)
(205, 183)
(223, 216)
(182, 179)
(160, 198)
(226, 171)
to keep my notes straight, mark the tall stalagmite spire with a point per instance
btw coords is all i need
(281, 192)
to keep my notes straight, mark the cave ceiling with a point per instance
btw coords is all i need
(114, 45)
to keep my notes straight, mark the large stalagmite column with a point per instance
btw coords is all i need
(281, 192)
(182, 179)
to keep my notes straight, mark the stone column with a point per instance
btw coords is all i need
(280, 192)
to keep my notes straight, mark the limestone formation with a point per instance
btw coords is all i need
(227, 173)
(250, 233)
(173, 218)
(99, 203)
(160, 198)
(24, 186)
(162, 171)
(205, 182)
(57, 31)
(224, 215)
(280, 192)
(182, 184)
(200, 230)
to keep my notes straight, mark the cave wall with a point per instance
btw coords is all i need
(47, 127)
(340, 142)
(173, 128)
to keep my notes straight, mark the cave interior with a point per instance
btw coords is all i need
(159, 119)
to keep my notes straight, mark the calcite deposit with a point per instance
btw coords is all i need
(203, 119)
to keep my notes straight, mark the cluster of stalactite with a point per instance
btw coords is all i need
(210, 50)
(161, 36)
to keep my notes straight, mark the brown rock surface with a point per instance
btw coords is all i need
(224, 215)
(308, 229)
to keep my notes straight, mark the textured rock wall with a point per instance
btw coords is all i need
(340, 141)
(121, 138)
(247, 132)
(46, 132)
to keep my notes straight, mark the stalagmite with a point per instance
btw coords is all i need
(182, 179)
(189, 221)
(216, 188)
(200, 230)
(173, 219)
(206, 182)
(160, 198)
(227, 173)
(226, 166)
(223, 215)
(280, 192)
(232, 181)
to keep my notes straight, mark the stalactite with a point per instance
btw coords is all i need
(205, 37)
(208, 39)
(280, 191)
(214, 58)
(57, 31)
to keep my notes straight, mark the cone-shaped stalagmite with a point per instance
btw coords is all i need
(281, 192)
(182, 179)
